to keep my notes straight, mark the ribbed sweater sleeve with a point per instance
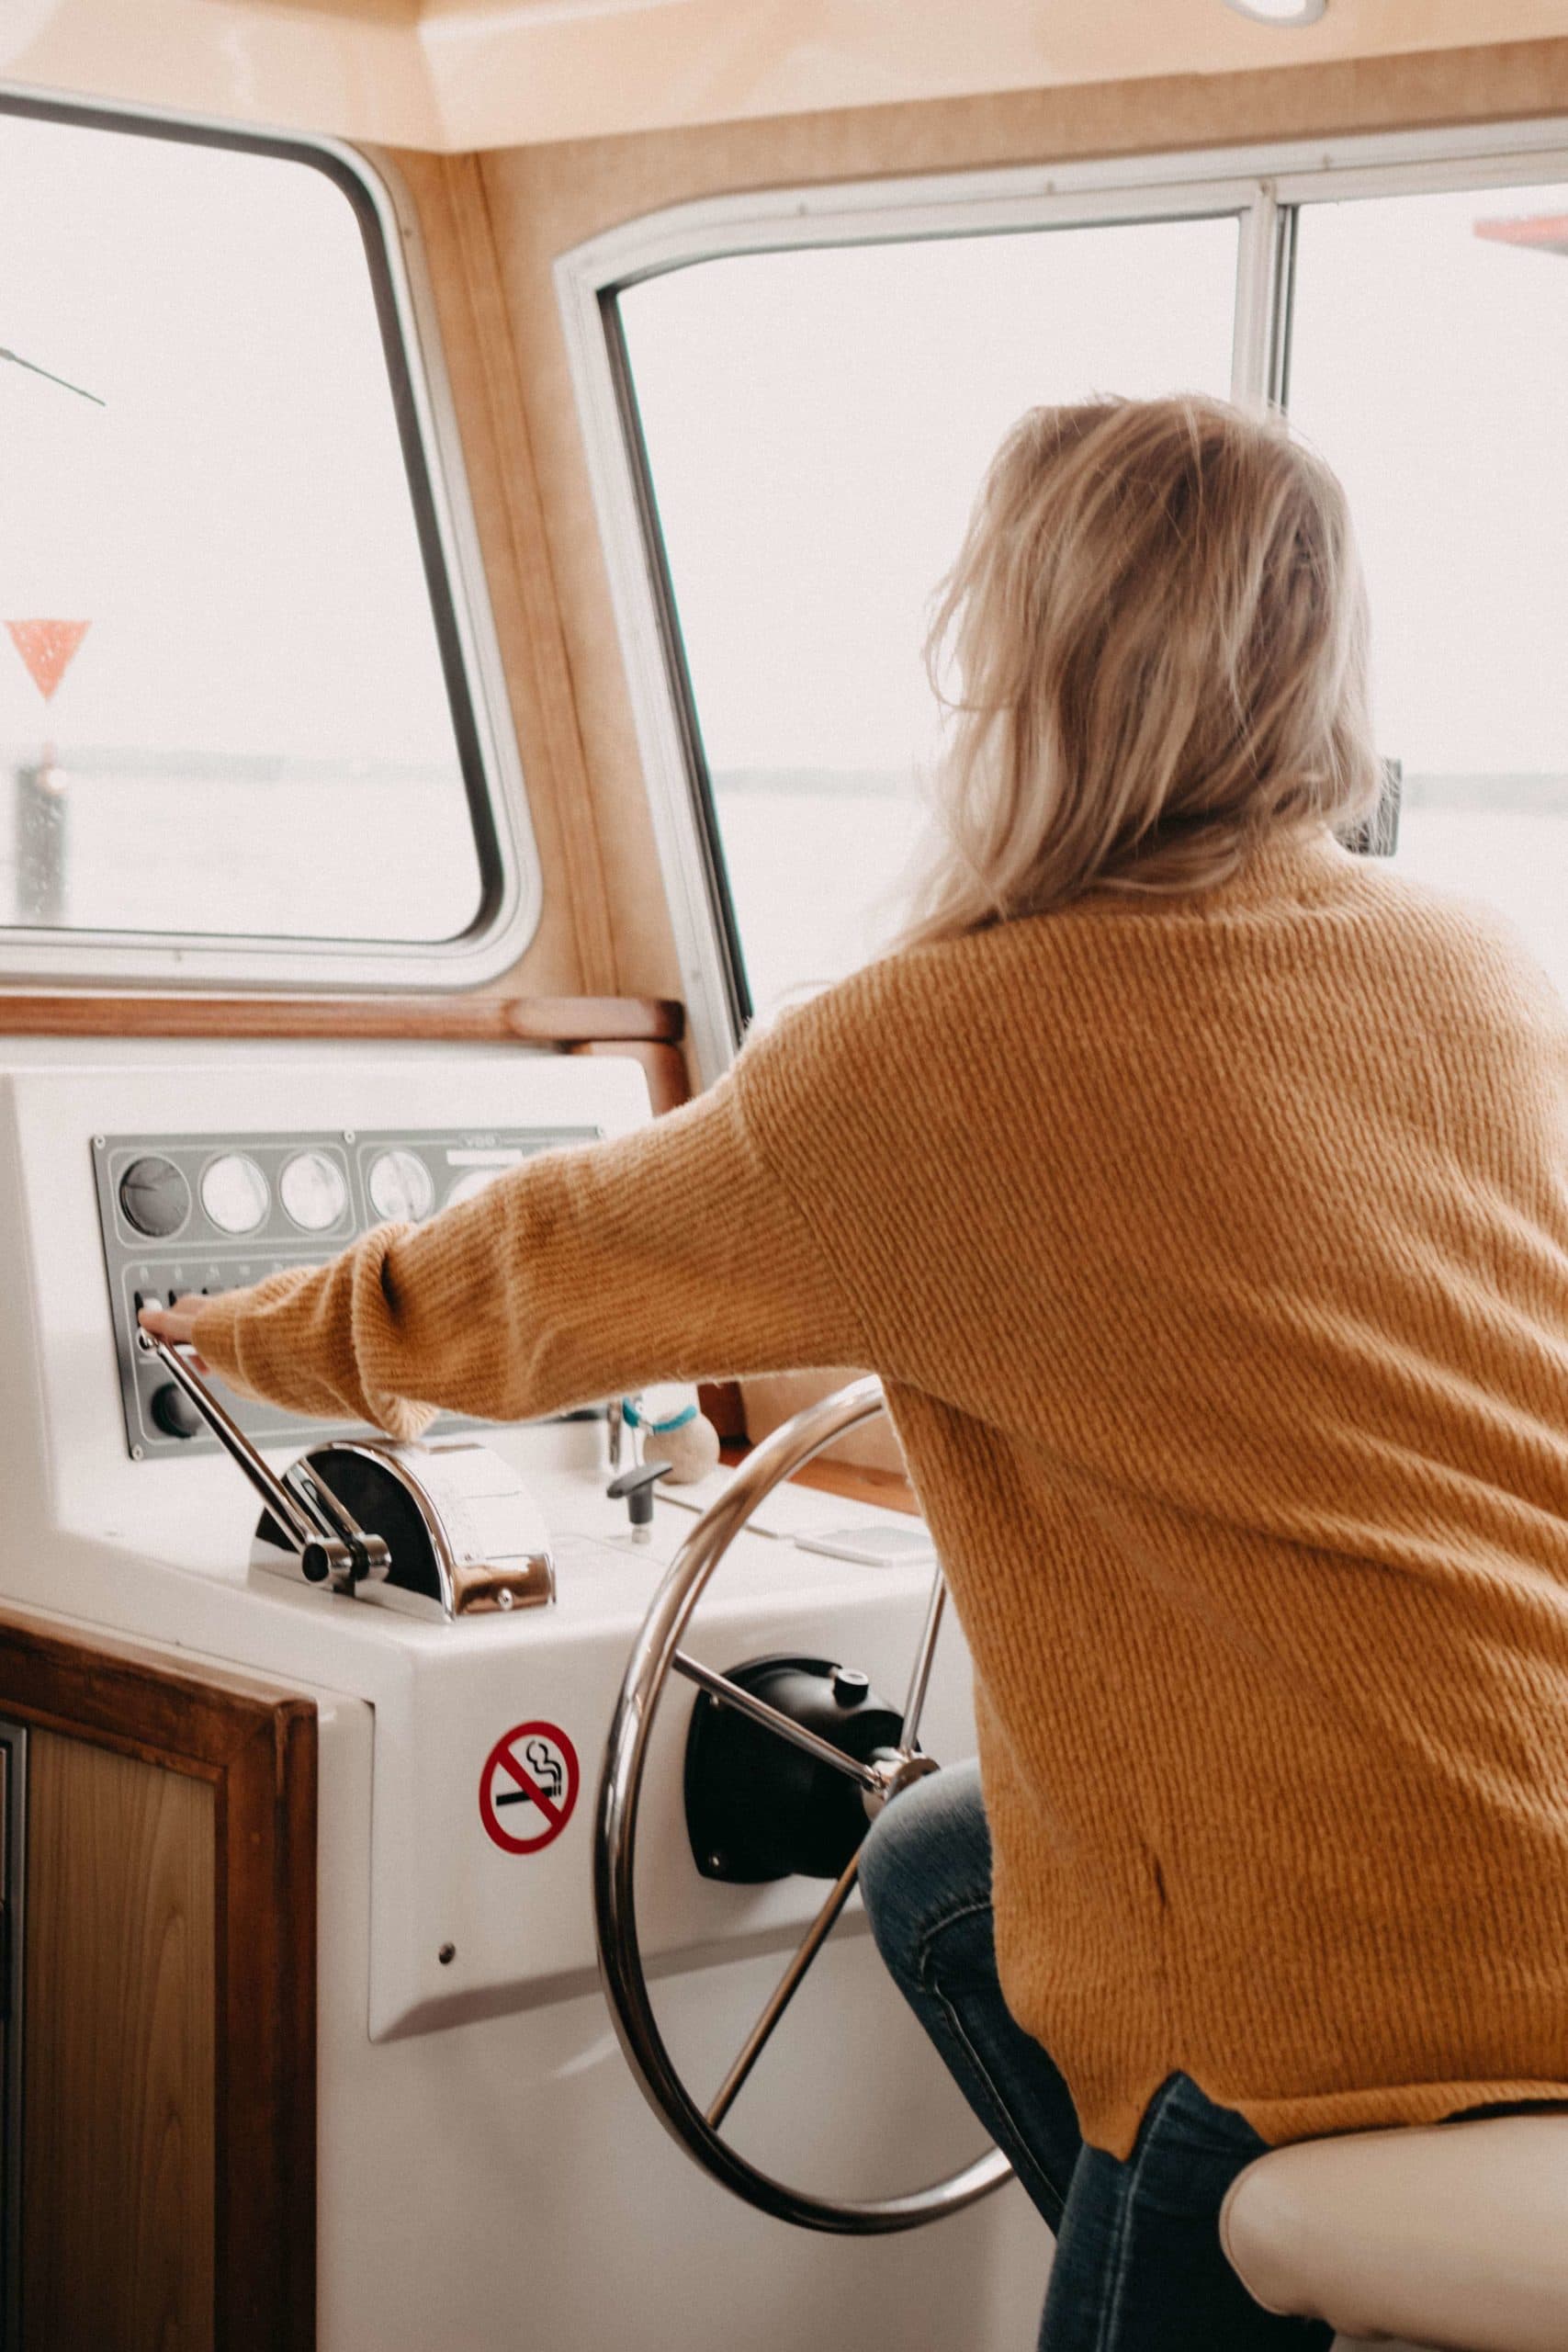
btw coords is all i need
(673, 1253)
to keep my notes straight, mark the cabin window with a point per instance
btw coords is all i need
(815, 424)
(242, 725)
(789, 395)
(1428, 357)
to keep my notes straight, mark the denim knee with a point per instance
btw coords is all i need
(926, 1857)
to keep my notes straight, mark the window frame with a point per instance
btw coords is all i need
(510, 884)
(1264, 186)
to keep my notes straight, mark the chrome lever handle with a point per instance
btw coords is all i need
(322, 1552)
(368, 1553)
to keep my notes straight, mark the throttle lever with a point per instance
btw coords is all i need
(327, 1539)
(368, 1553)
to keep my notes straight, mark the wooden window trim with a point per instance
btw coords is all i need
(562, 1022)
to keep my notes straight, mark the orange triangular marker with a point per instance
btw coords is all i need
(48, 648)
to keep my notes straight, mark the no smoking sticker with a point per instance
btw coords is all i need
(528, 1788)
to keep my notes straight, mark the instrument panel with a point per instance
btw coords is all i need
(213, 1212)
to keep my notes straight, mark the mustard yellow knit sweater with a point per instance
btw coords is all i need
(1214, 1254)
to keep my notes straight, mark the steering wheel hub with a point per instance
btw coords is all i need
(758, 1808)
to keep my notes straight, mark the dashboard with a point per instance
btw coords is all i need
(206, 1213)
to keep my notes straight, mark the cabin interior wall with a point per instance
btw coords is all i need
(494, 224)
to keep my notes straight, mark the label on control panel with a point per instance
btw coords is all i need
(528, 1788)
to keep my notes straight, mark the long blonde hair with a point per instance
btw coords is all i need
(1159, 631)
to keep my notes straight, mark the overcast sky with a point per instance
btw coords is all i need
(235, 521)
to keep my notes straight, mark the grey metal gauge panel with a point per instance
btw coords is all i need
(213, 1212)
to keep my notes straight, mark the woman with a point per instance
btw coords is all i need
(1201, 1194)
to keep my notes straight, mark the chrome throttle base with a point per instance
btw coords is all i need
(466, 1538)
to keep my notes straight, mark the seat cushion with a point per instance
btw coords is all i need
(1455, 2238)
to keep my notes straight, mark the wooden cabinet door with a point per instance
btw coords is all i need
(167, 2002)
(118, 2076)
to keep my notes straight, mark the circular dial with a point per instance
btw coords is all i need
(477, 1179)
(401, 1186)
(313, 1191)
(154, 1197)
(234, 1193)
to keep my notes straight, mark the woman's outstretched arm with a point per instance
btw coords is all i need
(671, 1254)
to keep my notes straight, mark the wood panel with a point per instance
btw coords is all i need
(246, 1753)
(853, 1480)
(574, 947)
(118, 2179)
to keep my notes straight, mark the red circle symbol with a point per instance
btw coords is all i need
(528, 1788)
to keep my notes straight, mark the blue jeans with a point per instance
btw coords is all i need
(1138, 2265)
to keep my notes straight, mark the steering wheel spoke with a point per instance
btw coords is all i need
(783, 1992)
(921, 1672)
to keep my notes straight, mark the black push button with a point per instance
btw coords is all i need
(173, 1412)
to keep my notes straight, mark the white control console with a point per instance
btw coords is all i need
(161, 1543)
(460, 1749)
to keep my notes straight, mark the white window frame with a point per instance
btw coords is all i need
(1257, 185)
(187, 960)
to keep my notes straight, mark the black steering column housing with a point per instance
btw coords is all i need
(757, 1809)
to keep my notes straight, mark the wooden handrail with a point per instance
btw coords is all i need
(519, 1019)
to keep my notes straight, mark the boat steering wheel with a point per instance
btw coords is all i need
(656, 1654)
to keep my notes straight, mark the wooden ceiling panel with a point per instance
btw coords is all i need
(465, 74)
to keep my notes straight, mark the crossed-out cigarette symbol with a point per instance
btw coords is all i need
(545, 1765)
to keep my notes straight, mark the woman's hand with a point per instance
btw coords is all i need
(174, 1324)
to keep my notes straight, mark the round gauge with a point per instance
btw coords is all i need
(154, 1197)
(313, 1191)
(401, 1186)
(234, 1193)
(477, 1179)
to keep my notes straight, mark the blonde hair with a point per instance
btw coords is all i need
(1159, 629)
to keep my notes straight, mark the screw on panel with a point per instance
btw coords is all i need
(446, 1955)
(505, 1599)
(348, 1136)
(98, 1143)
(136, 1454)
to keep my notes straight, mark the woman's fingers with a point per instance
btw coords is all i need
(176, 1324)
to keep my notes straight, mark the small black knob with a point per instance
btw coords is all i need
(635, 1488)
(154, 1197)
(849, 1685)
(173, 1412)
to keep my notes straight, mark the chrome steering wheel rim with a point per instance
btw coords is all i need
(655, 1656)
